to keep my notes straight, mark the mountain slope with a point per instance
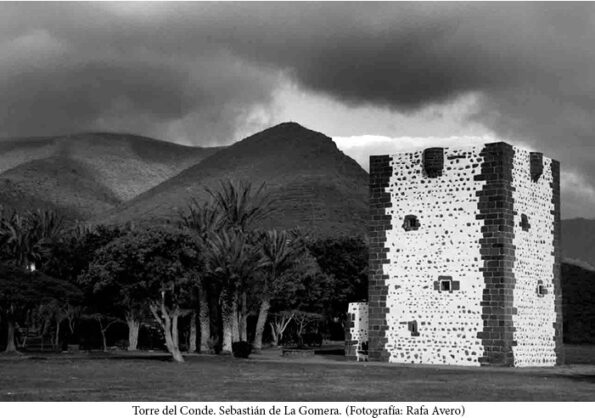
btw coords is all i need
(116, 167)
(578, 240)
(58, 183)
(315, 186)
(578, 303)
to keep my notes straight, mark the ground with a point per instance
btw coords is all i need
(269, 377)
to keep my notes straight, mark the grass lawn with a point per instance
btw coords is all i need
(217, 378)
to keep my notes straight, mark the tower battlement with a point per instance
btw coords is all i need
(465, 257)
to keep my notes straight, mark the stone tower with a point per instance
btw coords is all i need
(465, 257)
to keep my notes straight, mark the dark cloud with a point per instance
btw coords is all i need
(199, 71)
(80, 67)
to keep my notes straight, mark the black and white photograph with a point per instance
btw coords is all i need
(323, 204)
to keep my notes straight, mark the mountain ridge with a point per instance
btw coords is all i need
(125, 165)
(84, 176)
(297, 164)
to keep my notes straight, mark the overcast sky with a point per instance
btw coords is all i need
(377, 77)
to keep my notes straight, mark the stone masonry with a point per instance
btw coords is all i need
(356, 335)
(465, 257)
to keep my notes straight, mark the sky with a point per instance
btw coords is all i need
(376, 77)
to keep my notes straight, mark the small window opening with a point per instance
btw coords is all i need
(446, 284)
(412, 327)
(541, 289)
(525, 222)
(410, 223)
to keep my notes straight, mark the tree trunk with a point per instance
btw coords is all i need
(166, 325)
(235, 326)
(278, 327)
(57, 340)
(174, 330)
(133, 330)
(243, 318)
(204, 319)
(103, 338)
(228, 315)
(263, 313)
(172, 346)
(274, 334)
(192, 338)
(10, 345)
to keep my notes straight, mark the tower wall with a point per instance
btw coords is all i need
(536, 316)
(454, 272)
(356, 328)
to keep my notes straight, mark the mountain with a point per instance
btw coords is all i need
(578, 303)
(58, 183)
(315, 186)
(86, 174)
(578, 240)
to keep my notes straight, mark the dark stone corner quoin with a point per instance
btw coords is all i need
(379, 222)
(495, 209)
(558, 325)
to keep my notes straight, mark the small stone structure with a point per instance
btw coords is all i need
(356, 335)
(464, 257)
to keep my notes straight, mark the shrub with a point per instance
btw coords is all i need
(241, 349)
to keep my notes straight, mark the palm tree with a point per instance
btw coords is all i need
(26, 239)
(279, 254)
(240, 205)
(231, 261)
(203, 220)
(17, 240)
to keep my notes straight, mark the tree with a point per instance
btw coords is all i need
(241, 206)
(231, 261)
(26, 239)
(345, 263)
(202, 220)
(302, 320)
(21, 290)
(279, 254)
(70, 256)
(279, 323)
(104, 322)
(301, 292)
(152, 267)
(67, 258)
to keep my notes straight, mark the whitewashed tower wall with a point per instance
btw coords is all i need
(356, 328)
(456, 274)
